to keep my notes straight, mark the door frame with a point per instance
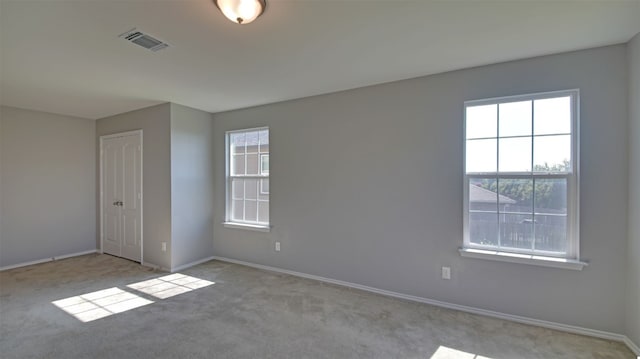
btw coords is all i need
(115, 135)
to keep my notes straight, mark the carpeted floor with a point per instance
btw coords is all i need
(77, 308)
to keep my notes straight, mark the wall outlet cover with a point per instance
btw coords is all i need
(446, 272)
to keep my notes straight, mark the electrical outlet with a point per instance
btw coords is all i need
(446, 272)
(277, 246)
(164, 246)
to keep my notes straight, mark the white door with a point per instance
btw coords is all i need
(121, 183)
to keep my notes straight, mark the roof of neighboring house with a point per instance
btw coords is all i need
(481, 195)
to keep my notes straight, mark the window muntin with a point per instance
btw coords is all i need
(521, 185)
(248, 177)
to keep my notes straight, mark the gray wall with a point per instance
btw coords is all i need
(404, 142)
(155, 124)
(47, 185)
(191, 185)
(633, 288)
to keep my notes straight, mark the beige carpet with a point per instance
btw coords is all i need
(98, 306)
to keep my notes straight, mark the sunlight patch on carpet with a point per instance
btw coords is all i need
(100, 304)
(449, 353)
(170, 285)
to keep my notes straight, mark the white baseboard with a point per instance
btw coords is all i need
(188, 265)
(489, 313)
(634, 348)
(44, 260)
(155, 266)
(150, 265)
(175, 269)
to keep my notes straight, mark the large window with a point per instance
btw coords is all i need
(248, 177)
(521, 174)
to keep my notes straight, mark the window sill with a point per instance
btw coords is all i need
(251, 227)
(523, 258)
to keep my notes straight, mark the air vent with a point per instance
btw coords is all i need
(141, 39)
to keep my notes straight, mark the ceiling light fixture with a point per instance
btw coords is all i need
(241, 11)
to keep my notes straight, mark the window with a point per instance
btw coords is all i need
(248, 178)
(521, 175)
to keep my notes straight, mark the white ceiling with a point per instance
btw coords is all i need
(65, 56)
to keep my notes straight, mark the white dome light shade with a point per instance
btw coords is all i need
(241, 11)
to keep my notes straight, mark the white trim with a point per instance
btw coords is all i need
(543, 261)
(155, 266)
(101, 199)
(139, 133)
(516, 98)
(24, 264)
(45, 260)
(141, 195)
(71, 255)
(189, 265)
(634, 348)
(150, 265)
(463, 308)
(122, 134)
(251, 227)
(250, 129)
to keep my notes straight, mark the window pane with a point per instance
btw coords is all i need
(237, 210)
(263, 212)
(516, 230)
(264, 141)
(481, 156)
(516, 212)
(551, 233)
(483, 194)
(552, 116)
(252, 164)
(552, 153)
(237, 142)
(483, 211)
(551, 214)
(237, 165)
(251, 211)
(264, 164)
(251, 189)
(481, 121)
(515, 119)
(264, 189)
(551, 196)
(515, 195)
(237, 185)
(252, 142)
(483, 228)
(515, 154)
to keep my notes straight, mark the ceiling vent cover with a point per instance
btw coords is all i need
(141, 39)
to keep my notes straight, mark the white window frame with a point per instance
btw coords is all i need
(570, 259)
(229, 222)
